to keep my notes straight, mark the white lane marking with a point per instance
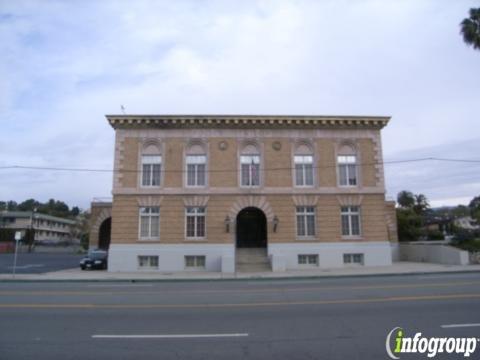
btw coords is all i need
(447, 276)
(169, 336)
(459, 325)
(28, 266)
(118, 285)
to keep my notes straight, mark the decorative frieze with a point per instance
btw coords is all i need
(199, 201)
(350, 200)
(145, 201)
(245, 121)
(305, 200)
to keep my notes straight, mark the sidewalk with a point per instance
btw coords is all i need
(399, 268)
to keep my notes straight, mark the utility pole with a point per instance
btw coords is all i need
(32, 231)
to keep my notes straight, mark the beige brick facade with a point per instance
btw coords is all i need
(224, 139)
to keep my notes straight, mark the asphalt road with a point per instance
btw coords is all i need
(37, 263)
(342, 318)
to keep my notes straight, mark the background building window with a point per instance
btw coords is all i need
(353, 259)
(149, 222)
(195, 222)
(250, 170)
(151, 167)
(195, 261)
(196, 165)
(303, 170)
(350, 221)
(305, 221)
(308, 259)
(148, 262)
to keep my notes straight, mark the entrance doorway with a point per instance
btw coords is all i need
(251, 228)
(104, 234)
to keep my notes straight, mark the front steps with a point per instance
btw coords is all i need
(252, 260)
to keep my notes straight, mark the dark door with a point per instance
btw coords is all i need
(251, 228)
(104, 234)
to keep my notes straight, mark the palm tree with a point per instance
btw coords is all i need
(421, 204)
(470, 29)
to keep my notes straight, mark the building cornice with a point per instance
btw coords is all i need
(246, 121)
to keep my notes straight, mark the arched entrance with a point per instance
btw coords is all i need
(104, 234)
(251, 228)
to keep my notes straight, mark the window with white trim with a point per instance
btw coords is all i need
(350, 220)
(308, 259)
(305, 221)
(353, 259)
(195, 222)
(195, 261)
(347, 166)
(250, 170)
(347, 170)
(303, 170)
(151, 168)
(149, 222)
(196, 166)
(147, 262)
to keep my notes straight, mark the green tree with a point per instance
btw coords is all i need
(29, 205)
(470, 28)
(474, 207)
(75, 211)
(421, 204)
(409, 225)
(12, 205)
(406, 199)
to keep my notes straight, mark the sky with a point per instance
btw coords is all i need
(65, 64)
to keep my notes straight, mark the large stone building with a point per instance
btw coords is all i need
(239, 193)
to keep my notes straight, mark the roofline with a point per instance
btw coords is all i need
(121, 121)
(38, 215)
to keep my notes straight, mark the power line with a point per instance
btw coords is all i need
(391, 162)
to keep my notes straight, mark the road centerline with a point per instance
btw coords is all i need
(247, 304)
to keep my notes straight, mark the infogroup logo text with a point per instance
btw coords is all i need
(430, 346)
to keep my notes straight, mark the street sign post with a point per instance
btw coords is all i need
(18, 236)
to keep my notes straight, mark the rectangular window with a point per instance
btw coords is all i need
(353, 259)
(195, 222)
(350, 220)
(151, 167)
(196, 165)
(305, 221)
(250, 170)
(195, 261)
(303, 170)
(308, 259)
(148, 262)
(149, 222)
(347, 170)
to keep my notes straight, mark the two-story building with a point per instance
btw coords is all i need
(247, 193)
(47, 229)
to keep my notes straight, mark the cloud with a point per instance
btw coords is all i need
(66, 64)
(444, 182)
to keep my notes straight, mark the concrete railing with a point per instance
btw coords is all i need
(438, 254)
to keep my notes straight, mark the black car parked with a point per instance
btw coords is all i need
(96, 259)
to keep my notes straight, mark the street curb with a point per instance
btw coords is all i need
(253, 278)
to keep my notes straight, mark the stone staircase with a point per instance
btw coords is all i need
(252, 260)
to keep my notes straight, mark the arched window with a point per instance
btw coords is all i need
(151, 165)
(250, 165)
(347, 165)
(303, 159)
(196, 164)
